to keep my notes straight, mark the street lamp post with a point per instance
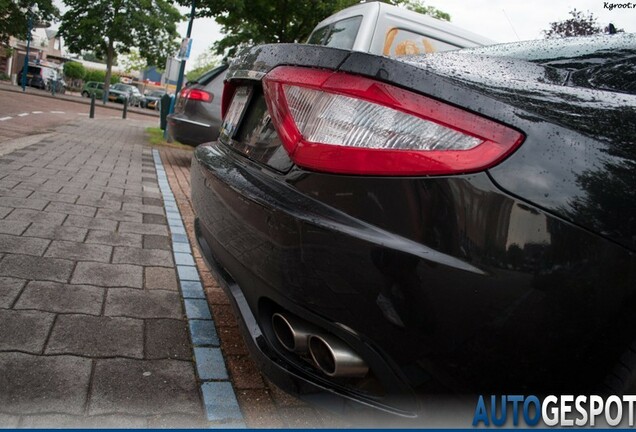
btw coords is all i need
(25, 69)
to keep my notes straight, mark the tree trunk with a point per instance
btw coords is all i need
(110, 54)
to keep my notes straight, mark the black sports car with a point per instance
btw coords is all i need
(459, 223)
(197, 112)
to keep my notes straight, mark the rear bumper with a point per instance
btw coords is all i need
(454, 287)
(191, 132)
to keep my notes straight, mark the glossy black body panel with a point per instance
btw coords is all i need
(478, 283)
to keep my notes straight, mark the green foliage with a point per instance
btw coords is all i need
(578, 25)
(14, 16)
(420, 7)
(100, 76)
(133, 61)
(203, 63)
(92, 57)
(111, 27)
(74, 70)
(252, 22)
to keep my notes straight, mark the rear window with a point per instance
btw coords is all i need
(399, 42)
(341, 34)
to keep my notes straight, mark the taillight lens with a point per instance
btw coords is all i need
(196, 95)
(336, 122)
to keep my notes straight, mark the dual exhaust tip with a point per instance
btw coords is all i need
(331, 355)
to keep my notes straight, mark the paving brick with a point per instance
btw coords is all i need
(245, 374)
(178, 421)
(144, 257)
(183, 259)
(100, 203)
(188, 273)
(216, 296)
(39, 384)
(14, 227)
(224, 316)
(197, 309)
(24, 330)
(9, 290)
(79, 251)
(156, 242)
(299, 417)
(232, 342)
(220, 401)
(154, 219)
(91, 223)
(152, 201)
(22, 245)
(144, 387)
(18, 193)
(8, 421)
(119, 215)
(114, 238)
(36, 268)
(143, 304)
(167, 338)
(100, 336)
(62, 298)
(46, 218)
(108, 275)
(64, 421)
(192, 289)
(146, 209)
(210, 363)
(71, 209)
(5, 211)
(26, 203)
(52, 196)
(203, 333)
(123, 199)
(259, 409)
(161, 278)
(141, 228)
(56, 232)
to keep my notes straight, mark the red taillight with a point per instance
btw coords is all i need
(336, 122)
(196, 95)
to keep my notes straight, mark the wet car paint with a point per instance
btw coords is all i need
(459, 283)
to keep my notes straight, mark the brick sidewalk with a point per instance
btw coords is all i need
(93, 327)
(263, 404)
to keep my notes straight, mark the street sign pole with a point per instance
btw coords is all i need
(181, 67)
(25, 69)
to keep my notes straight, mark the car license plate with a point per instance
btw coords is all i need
(235, 113)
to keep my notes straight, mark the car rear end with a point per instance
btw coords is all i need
(197, 113)
(350, 211)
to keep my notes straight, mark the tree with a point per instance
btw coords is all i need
(133, 61)
(14, 16)
(204, 62)
(420, 7)
(252, 22)
(74, 70)
(111, 27)
(578, 25)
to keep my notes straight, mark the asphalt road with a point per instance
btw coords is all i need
(24, 114)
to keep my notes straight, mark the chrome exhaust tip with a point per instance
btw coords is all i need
(335, 358)
(291, 332)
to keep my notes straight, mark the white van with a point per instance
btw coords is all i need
(384, 29)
